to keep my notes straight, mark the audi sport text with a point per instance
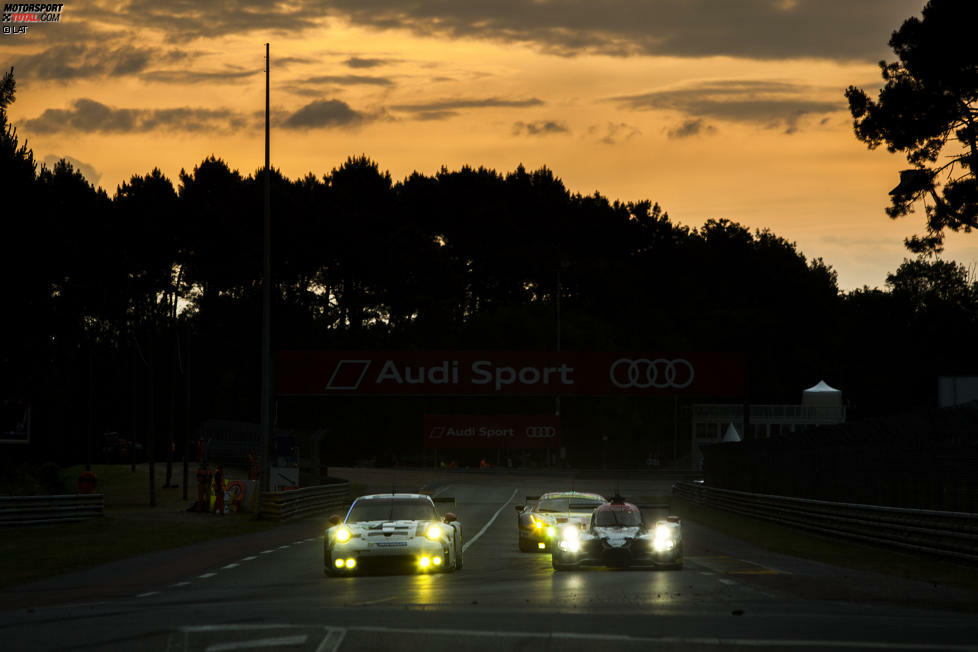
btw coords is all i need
(483, 373)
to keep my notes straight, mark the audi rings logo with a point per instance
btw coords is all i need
(540, 432)
(644, 373)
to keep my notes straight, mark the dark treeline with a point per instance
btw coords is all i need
(140, 311)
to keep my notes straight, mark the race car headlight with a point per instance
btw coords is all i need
(433, 533)
(663, 538)
(539, 524)
(342, 535)
(570, 539)
(551, 532)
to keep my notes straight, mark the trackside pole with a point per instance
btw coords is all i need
(266, 304)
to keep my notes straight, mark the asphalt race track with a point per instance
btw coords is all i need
(269, 592)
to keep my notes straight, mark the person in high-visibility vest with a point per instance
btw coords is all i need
(203, 487)
(219, 490)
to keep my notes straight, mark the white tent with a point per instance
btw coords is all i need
(731, 434)
(821, 394)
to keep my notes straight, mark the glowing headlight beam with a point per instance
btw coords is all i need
(433, 533)
(342, 535)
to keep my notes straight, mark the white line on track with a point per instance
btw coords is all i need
(250, 558)
(486, 526)
(672, 640)
(706, 573)
(266, 552)
(726, 581)
(173, 586)
(230, 566)
(206, 575)
(333, 640)
(237, 626)
(147, 594)
(283, 547)
(299, 639)
(335, 635)
(370, 602)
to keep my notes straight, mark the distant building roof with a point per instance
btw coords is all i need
(822, 386)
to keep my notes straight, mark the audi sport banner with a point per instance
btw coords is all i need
(491, 431)
(508, 373)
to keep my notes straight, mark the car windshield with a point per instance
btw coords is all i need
(612, 517)
(392, 510)
(567, 505)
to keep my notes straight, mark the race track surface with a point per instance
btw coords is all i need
(269, 592)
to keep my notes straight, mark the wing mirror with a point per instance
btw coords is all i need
(450, 517)
(519, 508)
(334, 519)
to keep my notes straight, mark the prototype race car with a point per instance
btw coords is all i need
(538, 525)
(393, 532)
(618, 535)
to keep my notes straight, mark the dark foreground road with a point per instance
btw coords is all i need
(274, 596)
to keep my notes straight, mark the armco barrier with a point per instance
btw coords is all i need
(39, 510)
(946, 534)
(288, 505)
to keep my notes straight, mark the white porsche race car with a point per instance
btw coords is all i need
(393, 532)
(537, 525)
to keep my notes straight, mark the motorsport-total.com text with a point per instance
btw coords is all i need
(32, 12)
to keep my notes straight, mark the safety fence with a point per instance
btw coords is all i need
(40, 510)
(297, 503)
(946, 534)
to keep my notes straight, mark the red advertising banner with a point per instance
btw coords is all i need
(512, 431)
(508, 373)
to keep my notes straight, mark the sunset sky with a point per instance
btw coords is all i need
(712, 108)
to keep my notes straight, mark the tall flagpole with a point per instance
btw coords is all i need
(267, 399)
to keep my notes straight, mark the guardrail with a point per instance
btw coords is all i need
(288, 505)
(40, 510)
(946, 534)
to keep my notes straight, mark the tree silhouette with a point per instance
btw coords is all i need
(460, 259)
(928, 108)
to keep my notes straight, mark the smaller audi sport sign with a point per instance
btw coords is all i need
(508, 373)
(491, 431)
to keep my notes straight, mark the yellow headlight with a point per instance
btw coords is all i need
(342, 535)
(433, 533)
(424, 562)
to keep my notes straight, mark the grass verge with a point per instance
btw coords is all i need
(847, 554)
(28, 554)
(130, 527)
